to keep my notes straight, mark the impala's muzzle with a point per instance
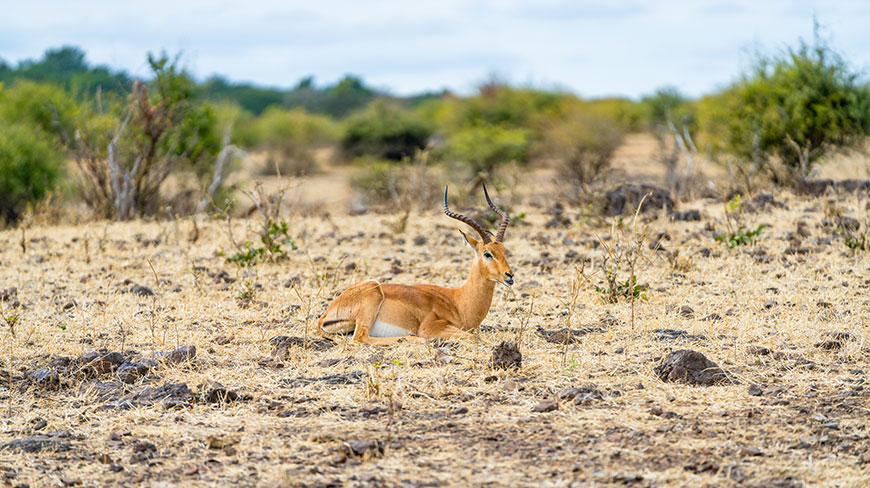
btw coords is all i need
(508, 278)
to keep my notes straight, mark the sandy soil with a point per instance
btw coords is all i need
(785, 318)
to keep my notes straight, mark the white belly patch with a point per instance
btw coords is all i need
(383, 329)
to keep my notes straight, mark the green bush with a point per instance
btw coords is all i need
(485, 148)
(290, 138)
(384, 130)
(46, 106)
(795, 109)
(29, 167)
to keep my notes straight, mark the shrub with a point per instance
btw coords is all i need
(485, 148)
(400, 185)
(583, 145)
(157, 131)
(797, 108)
(386, 131)
(29, 167)
(42, 105)
(289, 137)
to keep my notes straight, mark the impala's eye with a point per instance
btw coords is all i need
(487, 255)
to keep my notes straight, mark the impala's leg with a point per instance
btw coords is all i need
(435, 328)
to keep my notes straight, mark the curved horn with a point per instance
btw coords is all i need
(484, 234)
(505, 220)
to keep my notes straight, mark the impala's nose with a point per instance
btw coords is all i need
(508, 278)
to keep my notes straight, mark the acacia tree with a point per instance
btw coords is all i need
(797, 108)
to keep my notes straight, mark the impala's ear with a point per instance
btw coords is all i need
(470, 241)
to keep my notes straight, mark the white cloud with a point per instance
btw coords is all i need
(623, 47)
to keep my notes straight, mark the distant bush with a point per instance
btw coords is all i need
(30, 165)
(384, 130)
(583, 146)
(43, 105)
(289, 137)
(794, 109)
(483, 149)
(402, 186)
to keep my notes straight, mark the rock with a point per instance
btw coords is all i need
(363, 449)
(8, 294)
(687, 312)
(849, 223)
(830, 345)
(589, 395)
(170, 395)
(222, 442)
(625, 198)
(217, 393)
(690, 367)
(130, 371)
(506, 356)
(99, 362)
(420, 240)
(687, 216)
(142, 291)
(841, 336)
(546, 406)
(567, 393)
(176, 356)
(69, 481)
(768, 304)
(758, 350)
(566, 335)
(671, 335)
(44, 378)
(36, 443)
(281, 345)
(749, 451)
(754, 390)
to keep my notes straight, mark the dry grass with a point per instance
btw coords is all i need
(445, 417)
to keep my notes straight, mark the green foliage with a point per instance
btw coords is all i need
(500, 105)
(798, 107)
(384, 130)
(251, 98)
(484, 148)
(273, 239)
(740, 237)
(737, 234)
(276, 126)
(667, 104)
(347, 95)
(615, 289)
(46, 106)
(159, 129)
(67, 67)
(289, 137)
(30, 165)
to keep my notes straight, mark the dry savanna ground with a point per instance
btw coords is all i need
(142, 356)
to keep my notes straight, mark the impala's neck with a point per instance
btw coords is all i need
(474, 297)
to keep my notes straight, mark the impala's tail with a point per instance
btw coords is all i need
(355, 305)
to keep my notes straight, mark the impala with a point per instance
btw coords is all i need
(386, 313)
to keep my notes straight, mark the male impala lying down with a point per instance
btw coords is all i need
(385, 313)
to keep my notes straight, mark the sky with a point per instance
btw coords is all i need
(594, 49)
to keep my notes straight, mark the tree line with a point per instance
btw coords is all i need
(125, 136)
